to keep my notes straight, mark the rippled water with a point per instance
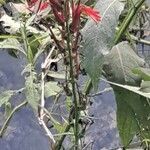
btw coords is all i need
(24, 133)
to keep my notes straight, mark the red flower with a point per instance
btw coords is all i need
(82, 9)
(34, 3)
(91, 13)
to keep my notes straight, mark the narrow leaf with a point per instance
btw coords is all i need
(31, 92)
(11, 43)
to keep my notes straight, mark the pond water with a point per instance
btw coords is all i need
(24, 132)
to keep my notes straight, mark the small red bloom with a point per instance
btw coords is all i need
(90, 12)
(82, 9)
(33, 3)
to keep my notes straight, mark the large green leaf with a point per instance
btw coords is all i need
(98, 38)
(132, 115)
(126, 121)
(120, 62)
(5, 96)
(133, 89)
(11, 43)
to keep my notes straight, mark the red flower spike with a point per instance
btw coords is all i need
(82, 9)
(33, 3)
(59, 16)
(91, 13)
(56, 4)
(76, 13)
(44, 5)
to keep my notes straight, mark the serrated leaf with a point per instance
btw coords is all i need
(68, 103)
(11, 43)
(31, 90)
(5, 97)
(13, 26)
(98, 38)
(51, 89)
(143, 72)
(120, 62)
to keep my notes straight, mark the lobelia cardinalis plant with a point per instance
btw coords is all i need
(66, 15)
(62, 29)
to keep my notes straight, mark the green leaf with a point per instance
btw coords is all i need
(8, 109)
(120, 62)
(5, 97)
(31, 90)
(60, 127)
(56, 75)
(98, 38)
(143, 72)
(132, 115)
(68, 103)
(2, 2)
(11, 43)
(145, 86)
(15, 25)
(131, 88)
(51, 89)
(126, 121)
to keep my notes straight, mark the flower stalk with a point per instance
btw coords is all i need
(72, 76)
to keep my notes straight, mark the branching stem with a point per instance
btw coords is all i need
(10, 116)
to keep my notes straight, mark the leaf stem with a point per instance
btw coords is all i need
(75, 100)
(126, 22)
(10, 116)
(139, 40)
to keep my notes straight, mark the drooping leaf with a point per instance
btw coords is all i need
(132, 115)
(31, 89)
(145, 86)
(133, 89)
(126, 121)
(51, 89)
(143, 72)
(11, 43)
(120, 62)
(5, 97)
(56, 75)
(98, 38)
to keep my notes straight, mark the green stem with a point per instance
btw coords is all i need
(59, 143)
(126, 22)
(76, 127)
(10, 116)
